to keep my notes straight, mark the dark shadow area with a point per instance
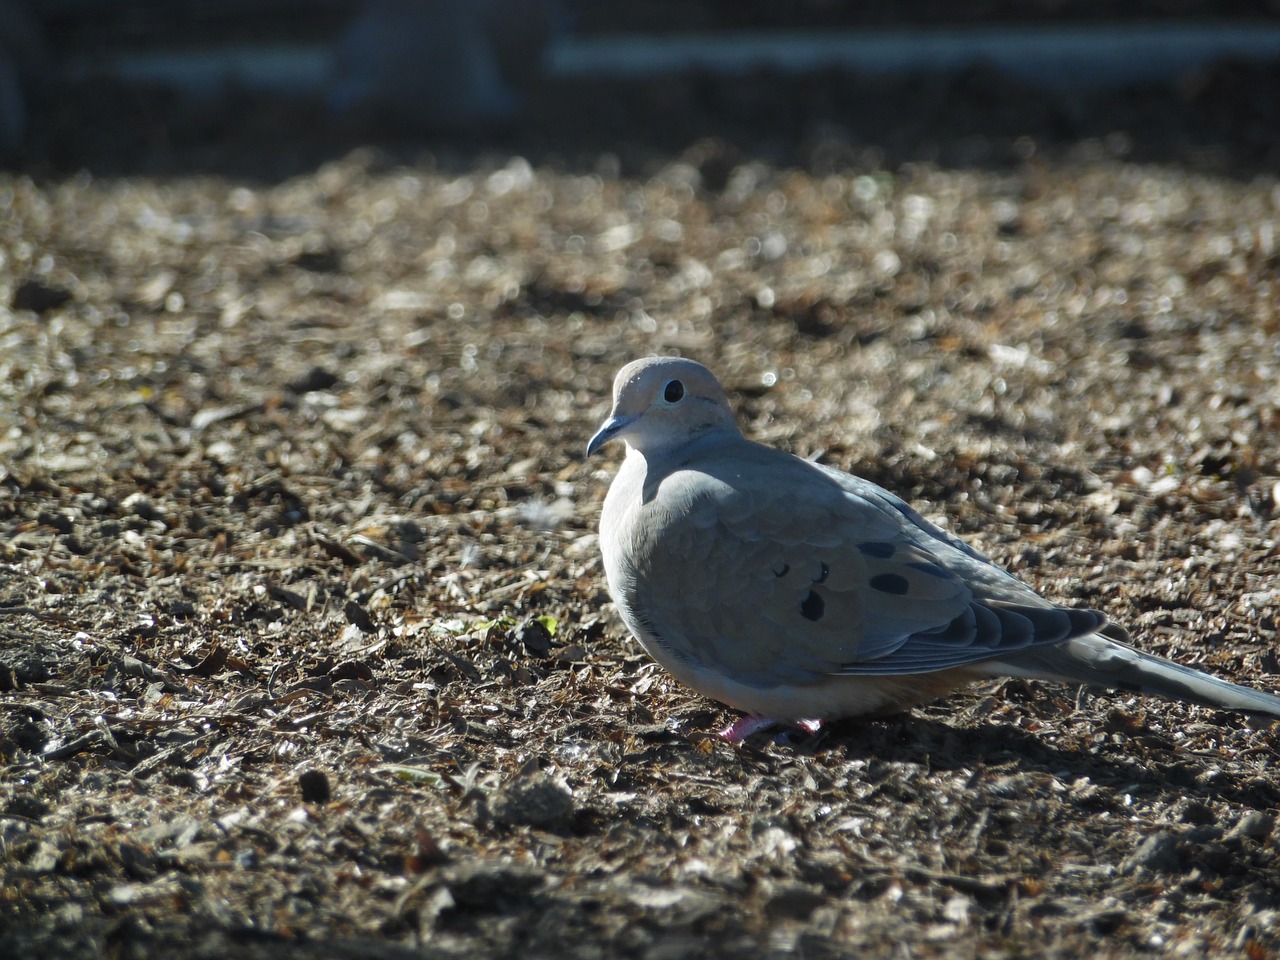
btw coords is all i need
(1224, 119)
(1139, 763)
(657, 16)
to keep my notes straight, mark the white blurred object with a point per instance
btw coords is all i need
(420, 65)
(441, 63)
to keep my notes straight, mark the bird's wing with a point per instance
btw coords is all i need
(774, 570)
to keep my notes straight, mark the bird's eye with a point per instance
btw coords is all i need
(673, 392)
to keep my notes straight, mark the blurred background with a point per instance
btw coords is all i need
(270, 87)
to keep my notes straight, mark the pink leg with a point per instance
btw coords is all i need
(745, 726)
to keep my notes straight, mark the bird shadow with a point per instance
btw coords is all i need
(1137, 762)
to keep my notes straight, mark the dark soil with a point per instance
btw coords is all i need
(304, 644)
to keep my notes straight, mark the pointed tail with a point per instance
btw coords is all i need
(1097, 661)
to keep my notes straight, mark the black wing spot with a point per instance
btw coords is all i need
(878, 549)
(890, 583)
(822, 576)
(782, 571)
(812, 606)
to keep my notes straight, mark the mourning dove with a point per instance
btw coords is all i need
(798, 593)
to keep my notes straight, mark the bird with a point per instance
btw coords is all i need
(799, 594)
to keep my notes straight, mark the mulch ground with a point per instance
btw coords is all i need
(304, 644)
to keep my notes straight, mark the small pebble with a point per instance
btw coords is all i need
(537, 800)
(314, 786)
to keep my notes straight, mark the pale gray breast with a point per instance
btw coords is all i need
(638, 517)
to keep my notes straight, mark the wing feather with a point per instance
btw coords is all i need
(775, 570)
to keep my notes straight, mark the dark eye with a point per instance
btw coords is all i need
(673, 391)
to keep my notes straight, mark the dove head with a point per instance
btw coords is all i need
(661, 402)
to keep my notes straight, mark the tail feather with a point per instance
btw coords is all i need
(1100, 662)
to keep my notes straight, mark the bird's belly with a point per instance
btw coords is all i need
(831, 698)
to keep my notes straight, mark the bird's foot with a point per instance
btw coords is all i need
(745, 726)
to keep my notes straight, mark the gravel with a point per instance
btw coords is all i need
(306, 650)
